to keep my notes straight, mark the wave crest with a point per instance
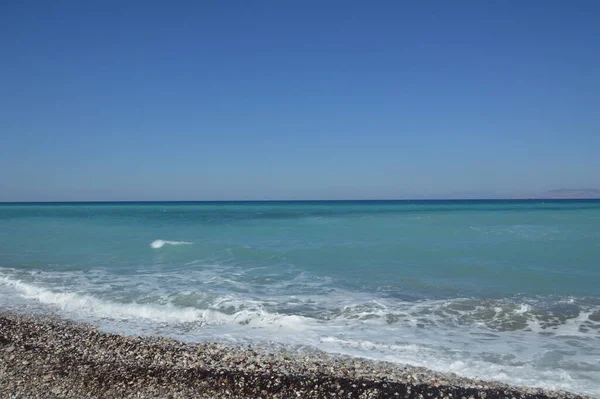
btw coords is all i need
(90, 306)
(156, 244)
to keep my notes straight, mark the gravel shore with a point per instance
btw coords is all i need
(43, 357)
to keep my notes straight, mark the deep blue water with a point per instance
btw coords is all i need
(506, 290)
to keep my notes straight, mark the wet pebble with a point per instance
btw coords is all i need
(43, 357)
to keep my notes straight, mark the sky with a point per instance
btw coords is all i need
(260, 100)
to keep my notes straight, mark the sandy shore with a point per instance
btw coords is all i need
(43, 357)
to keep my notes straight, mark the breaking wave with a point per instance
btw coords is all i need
(156, 244)
(93, 307)
(511, 341)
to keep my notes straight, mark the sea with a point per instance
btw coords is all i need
(494, 290)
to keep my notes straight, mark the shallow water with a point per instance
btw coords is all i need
(505, 290)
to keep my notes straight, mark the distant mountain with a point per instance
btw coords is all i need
(571, 193)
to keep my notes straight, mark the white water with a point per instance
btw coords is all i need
(156, 244)
(431, 334)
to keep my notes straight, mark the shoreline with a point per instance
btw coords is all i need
(47, 357)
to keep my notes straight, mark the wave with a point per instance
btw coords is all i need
(484, 365)
(432, 334)
(93, 307)
(216, 295)
(156, 244)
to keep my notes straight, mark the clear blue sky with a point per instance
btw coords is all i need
(185, 100)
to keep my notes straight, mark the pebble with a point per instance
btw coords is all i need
(63, 359)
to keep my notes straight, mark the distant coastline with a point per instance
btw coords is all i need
(566, 194)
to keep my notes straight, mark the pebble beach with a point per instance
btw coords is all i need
(47, 357)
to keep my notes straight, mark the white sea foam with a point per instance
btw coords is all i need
(456, 335)
(156, 244)
(461, 362)
(92, 307)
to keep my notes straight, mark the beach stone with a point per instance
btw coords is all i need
(70, 360)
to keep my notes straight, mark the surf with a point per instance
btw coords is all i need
(157, 244)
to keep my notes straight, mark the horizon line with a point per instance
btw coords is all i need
(303, 200)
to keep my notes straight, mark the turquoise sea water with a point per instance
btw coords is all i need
(505, 290)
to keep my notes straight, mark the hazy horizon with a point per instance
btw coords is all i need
(585, 194)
